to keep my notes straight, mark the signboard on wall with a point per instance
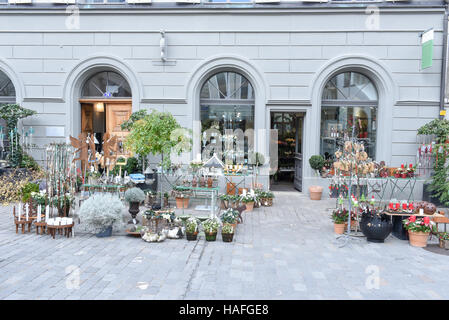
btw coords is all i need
(427, 49)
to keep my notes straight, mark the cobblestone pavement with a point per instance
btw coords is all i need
(288, 251)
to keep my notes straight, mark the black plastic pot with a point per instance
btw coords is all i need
(375, 228)
(107, 232)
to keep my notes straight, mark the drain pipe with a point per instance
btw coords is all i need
(444, 71)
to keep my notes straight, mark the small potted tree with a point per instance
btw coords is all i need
(227, 233)
(444, 240)
(210, 227)
(340, 217)
(191, 228)
(134, 196)
(101, 213)
(316, 163)
(418, 230)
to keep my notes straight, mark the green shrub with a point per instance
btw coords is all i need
(316, 162)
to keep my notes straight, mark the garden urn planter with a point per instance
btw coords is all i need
(315, 192)
(134, 210)
(375, 229)
(182, 203)
(106, 232)
(339, 228)
(227, 237)
(191, 236)
(211, 236)
(418, 239)
(249, 206)
(444, 244)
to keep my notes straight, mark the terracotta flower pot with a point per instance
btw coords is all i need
(418, 239)
(182, 203)
(249, 206)
(339, 228)
(315, 192)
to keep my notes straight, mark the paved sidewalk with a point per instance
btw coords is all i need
(288, 251)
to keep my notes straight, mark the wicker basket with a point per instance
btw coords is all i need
(267, 202)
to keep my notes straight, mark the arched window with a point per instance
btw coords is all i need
(106, 84)
(227, 105)
(348, 108)
(7, 90)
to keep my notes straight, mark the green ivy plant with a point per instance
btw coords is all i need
(439, 185)
(158, 133)
(12, 113)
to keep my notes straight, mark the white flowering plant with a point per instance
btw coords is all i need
(192, 225)
(211, 225)
(101, 211)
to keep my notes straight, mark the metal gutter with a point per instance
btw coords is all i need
(444, 70)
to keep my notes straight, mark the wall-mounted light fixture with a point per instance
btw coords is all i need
(163, 46)
(99, 107)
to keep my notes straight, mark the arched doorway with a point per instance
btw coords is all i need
(7, 96)
(227, 103)
(349, 108)
(106, 102)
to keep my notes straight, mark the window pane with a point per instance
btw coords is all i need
(338, 122)
(6, 87)
(350, 86)
(106, 85)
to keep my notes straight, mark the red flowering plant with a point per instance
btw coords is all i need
(418, 224)
(340, 216)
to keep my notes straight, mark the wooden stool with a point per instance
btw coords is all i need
(65, 230)
(42, 225)
(23, 223)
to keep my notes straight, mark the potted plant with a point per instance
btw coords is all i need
(227, 233)
(316, 163)
(234, 201)
(266, 198)
(182, 197)
(101, 213)
(134, 196)
(191, 228)
(210, 227)
(92, 177)
(166, 196)
(418, 230)
(248, 199)
(230, 216)
(374, 225)
(444, 240)
(224, 201)
(340, 217)
(63, 202)
(27, 190)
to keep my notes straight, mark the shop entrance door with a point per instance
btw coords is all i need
(289, 174)
(105, 116)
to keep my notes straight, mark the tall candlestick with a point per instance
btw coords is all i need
(39, 212)
(47, 213)
(27, 211)
(20, 210)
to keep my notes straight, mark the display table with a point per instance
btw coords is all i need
(398, 228)
(199, 190)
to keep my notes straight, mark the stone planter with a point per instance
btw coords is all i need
(375, 229)
(418, 239)
(106, 232)
(134, 210)
(315, 192)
